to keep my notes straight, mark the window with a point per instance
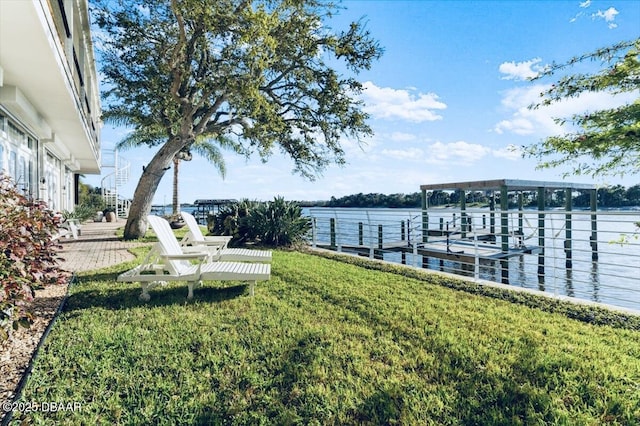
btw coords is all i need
(1, 159)
(13, 163)
(23, 179)
(15, 133)
(32, 178)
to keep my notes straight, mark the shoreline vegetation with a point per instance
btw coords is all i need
(608, 197)
(333, 340)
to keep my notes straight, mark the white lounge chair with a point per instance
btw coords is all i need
(68, 229)
(216, 246)
(167, 262)
(195, 237)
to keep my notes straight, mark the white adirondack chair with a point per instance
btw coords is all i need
(216, 246)
(168, 262)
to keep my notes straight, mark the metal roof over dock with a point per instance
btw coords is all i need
(209, 202)
(511, 184)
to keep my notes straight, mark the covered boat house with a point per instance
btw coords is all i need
(500, 229)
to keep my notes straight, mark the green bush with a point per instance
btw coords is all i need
(275, 223)
(27, 254)
(82, 212)
(279, 223)
(232, 220)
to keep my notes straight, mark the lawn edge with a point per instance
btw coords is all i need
(582, 310)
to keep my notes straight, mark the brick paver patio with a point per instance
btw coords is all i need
(96, 247)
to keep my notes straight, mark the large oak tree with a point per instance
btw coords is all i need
(254, 75)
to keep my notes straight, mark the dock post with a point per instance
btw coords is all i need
(360, 234)
(314, 232)
(378, 254)
(504, 268)
(504, 219)
(520, 215)
(484, 221)
(594, 225)
(492, 215)
(442, 224)
(402, 231)
(504, 232)
(332, 232)
(425, 226)
(425, 218)
(463, 213)
(541, 204)
(567, 242)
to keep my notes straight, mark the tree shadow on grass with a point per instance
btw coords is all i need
(101, 290)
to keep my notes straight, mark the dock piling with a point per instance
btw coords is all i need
(594, 225)
(567, 242)
(332, 232)
(378, 254)
(541, 204)
(504, 219)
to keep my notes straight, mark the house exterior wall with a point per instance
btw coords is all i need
(49, 98)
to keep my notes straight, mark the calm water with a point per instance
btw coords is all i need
(613, 279)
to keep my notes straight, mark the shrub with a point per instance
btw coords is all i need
(232, 220)
(27, 254)
(275, 223)
(82, 212)
(279, 223)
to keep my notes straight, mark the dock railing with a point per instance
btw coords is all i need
(588, 255)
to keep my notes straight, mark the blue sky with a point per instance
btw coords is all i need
(447, 100)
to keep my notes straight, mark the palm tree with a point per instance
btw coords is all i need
(176, 220)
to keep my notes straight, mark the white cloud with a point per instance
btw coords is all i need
(540, 122)
(522, 96)
(440, 153)
(460, 152)
(404, 154)
(402, 137)
(519, 126)
(520, 70)
(510, 152)
(389, 103)
(608, 15)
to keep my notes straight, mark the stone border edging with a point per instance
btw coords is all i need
(27, 373)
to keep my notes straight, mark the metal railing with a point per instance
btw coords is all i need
(591, 256)
(113, 181)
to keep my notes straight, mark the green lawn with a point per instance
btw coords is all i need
(327, 342)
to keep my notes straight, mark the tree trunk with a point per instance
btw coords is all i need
(136, 226)
(175, 205)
